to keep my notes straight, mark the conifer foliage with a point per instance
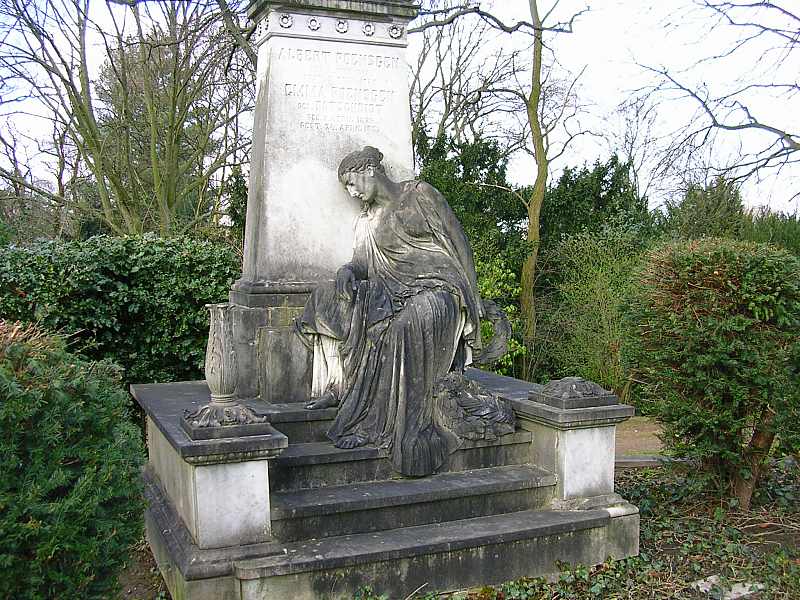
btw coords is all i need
(70, 456)
(719, 350)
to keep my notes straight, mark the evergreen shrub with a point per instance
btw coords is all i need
(719, 349)
(137, 301)
(70, 501)
(780, 229)
(581, 328)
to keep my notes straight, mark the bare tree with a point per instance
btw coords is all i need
(634, 137)
(458, 77)
(545, 106)
(155, 143)
(743, 109)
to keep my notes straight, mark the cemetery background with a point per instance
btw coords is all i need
(712, 211)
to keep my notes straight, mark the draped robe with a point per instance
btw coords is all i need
(414, 316)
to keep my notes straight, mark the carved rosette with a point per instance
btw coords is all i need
(221, 373)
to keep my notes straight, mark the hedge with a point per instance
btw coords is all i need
(718, 348)
(137, 301)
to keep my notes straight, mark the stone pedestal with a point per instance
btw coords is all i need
(573, 422)
(321, 522)
(213, 493)
(332, 78)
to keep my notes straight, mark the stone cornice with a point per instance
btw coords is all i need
(405, 9)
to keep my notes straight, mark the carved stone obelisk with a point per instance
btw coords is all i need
(332, 76)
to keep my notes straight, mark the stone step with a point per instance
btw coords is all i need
(381, 505)
(299, 424)
(321, 464)
(436, 557)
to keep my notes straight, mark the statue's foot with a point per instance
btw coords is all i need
(350, 441)
(328, 400)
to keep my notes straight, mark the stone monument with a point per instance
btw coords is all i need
(332, 77)
(340, 438)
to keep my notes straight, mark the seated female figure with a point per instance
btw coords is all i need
(398, 318)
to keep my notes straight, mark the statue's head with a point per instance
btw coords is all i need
(359, 172)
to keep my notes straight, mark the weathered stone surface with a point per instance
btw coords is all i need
(344, 522)
(175, 550)
(506, 387)
(376, 506)
(318, 465)
(445, 556)
(221, 504)
(375, 8)
(574, 428)
(573, 392)
(322, 93)
(246, 322)
(284, 371)
(595, 416)
(165, 404)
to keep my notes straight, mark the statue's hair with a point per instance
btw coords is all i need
(359, 160)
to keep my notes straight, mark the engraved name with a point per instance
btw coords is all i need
(344, 59)
(315, 91)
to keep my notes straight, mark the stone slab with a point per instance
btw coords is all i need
(506, 387)
(316, 453)
(233, 505)
(226, 431)
(572, 403)
(406, 9)
(165, 404)
(335, 552)
(735, 591)
(222, 503)
(575, 418)
(325, 88)
(315, 465)
(447, 570)
(587, 462)
(643, 461)
(383, 505)
(167, 532)
(314, 502)
(285, 365)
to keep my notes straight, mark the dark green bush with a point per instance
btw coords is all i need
(137, 301)
(70, 503)
(712, 210)
(719, 345)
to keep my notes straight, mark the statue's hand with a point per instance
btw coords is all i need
(345, 283)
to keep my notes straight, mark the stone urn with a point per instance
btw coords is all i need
(221, 367)
(223, 416)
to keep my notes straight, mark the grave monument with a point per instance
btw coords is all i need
(341, 438)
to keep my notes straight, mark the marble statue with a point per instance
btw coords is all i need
(392, 334)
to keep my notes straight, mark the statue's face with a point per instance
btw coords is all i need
(361, 186)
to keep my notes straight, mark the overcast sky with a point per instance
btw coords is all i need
(614, 35)
(613, 39)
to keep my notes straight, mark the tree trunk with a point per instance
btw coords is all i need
(755, 454)
(527, 288)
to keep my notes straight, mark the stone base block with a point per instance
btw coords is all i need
(444, 556)
(341, 519)
(437, 557)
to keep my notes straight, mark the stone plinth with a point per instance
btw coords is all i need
(219, 487)
(574, 426)
(332, 78)
(341, 519)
